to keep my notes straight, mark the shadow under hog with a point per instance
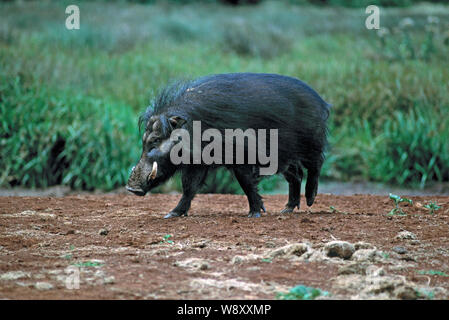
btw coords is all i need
(253, 124)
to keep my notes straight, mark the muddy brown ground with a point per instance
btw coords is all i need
(120, 247)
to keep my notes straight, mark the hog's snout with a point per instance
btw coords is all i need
(134, 182)
(139, 181)
(138, 192)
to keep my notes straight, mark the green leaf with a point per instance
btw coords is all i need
(302, 292)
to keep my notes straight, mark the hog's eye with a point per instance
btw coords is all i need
(155, 140)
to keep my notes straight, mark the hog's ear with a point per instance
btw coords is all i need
(176, 121)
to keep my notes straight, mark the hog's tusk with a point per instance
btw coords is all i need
(153, 171)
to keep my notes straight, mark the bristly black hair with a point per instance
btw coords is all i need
(164, 99)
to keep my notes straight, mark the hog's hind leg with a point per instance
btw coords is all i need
(313, 175)
(293, 175)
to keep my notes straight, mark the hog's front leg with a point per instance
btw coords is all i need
(192, 178)
(248, 181)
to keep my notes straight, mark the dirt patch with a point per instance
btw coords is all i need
(120, 247)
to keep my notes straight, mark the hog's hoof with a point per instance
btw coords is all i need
(254, 215)
(288, 209)
(174, 215)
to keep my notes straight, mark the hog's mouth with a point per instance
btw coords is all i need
(137, 192)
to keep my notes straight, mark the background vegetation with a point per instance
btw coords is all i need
(69, 100)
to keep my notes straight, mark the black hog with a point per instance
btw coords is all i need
(240, 103)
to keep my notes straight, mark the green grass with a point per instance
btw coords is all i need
(335, 210)
(433, 272)
(397, 210)
(88, 264)
(56, 138)
(302, 292)
(69, 100)
(166, 239)
(432, 207)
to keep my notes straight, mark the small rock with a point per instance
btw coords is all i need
(408, 258)
(194, 263)
(14, 275)
(27, 213)
(374, 271)
(406, 235)
(255, 268)
(384, 284)
(406, 293)
(340, 249)
(201, 245)
(23, 284)
(400, 250)
(399, 268)
(55, 271)
(99, 273)
(376, 284)
(295, 249)
(364, 255)
(109, 280)
(103, 232)
(269, 244)
(353, 268)
(95, 261)
(91, 280)
(237, 260)
(243, 259)
(363, 245)
(43, 286)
